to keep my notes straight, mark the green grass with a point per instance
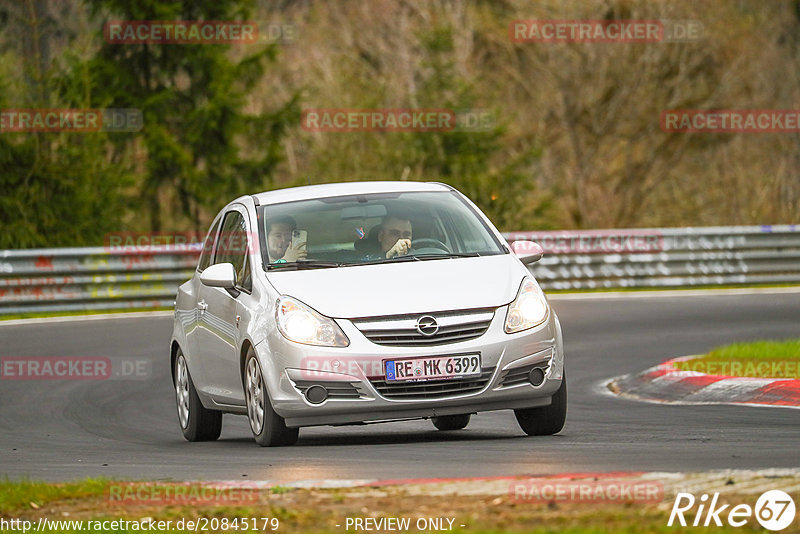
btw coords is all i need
(78, 313)
(320, 510)
(681, 288)
(761, 359)
(17, 496)
(760, 350)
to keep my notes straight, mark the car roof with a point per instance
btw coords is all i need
(308, 192)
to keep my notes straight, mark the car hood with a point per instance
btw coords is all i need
(400, 288)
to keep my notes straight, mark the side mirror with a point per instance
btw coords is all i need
(527, 251)
(219, 275)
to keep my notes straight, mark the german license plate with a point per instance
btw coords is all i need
(439, 367)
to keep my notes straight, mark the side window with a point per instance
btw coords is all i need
(208, 248)
(244, 278)
(232, 248)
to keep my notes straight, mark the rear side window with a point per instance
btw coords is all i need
(232, 248)
(208, 248)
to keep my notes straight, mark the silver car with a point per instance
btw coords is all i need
(361, 303)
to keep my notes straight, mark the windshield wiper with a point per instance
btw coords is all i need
(420, 257)
(306, 264)
(396, 259)
(445, 255)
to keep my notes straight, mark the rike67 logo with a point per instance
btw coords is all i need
(774, 510)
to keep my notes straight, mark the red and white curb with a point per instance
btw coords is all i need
(665, 383)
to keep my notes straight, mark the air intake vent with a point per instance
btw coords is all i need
(521, 375)
(335, 389)
(432, 389)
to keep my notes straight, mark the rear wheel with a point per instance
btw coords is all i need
(451, 422)
(269, 429)
(545, 420)
(197, 422)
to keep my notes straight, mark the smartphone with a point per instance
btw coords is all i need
(299, 238)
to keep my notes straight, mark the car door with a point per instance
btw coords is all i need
(219, 338)
(190, 313)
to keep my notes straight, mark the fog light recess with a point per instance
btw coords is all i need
(316, 394)
(536, 376)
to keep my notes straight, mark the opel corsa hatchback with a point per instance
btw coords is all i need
(360, 303)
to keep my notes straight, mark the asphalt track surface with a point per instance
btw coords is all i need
(62, 430)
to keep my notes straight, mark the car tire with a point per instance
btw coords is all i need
(269, 429)
(545, 420)
(451, 422)
(197, 422)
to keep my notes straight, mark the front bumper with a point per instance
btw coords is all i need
(359, 393)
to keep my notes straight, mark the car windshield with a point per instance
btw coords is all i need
(354, 230)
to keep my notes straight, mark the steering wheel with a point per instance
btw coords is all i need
(427, 242)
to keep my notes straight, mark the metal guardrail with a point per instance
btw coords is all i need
(67, 279)
(667, 257)
(97, 278)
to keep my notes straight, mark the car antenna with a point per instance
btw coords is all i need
(308, 178)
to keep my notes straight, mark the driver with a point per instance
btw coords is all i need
(389, 239)
(395, 236)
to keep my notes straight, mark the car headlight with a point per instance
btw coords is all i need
(528, 309)
(299, 323)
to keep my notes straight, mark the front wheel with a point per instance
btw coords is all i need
(198, 423)
(451, 422)
(545, 420)
(269, 429)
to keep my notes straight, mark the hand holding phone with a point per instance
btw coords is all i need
(297, 249)
(299, 238)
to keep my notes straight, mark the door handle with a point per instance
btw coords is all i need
(202, 306)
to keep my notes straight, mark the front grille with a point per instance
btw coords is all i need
(401, 330)
(432, 389)
(519, 375)
(336, 389)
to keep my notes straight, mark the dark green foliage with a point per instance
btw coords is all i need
(198, 147)
(201, 147)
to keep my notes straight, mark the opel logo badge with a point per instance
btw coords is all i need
(427, 325)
